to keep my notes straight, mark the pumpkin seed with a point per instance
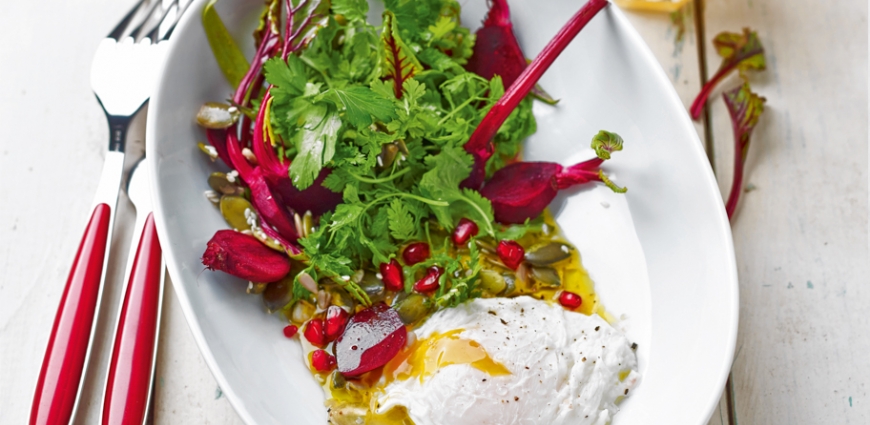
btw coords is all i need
(256, 288)
(278, 294)
(412, 308)
(219, 183)
(233, 209)
(372, 286)
(388, 155)
(547, 276)
(215, 115)
(549, 253)
(492, 281)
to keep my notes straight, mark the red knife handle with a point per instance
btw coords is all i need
(131, 369)
(64, 361)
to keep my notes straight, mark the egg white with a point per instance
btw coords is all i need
(565, 368)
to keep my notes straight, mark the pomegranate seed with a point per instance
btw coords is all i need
(510, 253)
(391, 273)
(290, 331)
(570, 299)
(336, 320)
(429, 282)
(322, 361)
(415, 253)
(314, 332)
(464, 231)
(373, 336)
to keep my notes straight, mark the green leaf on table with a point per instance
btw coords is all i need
(229, 57)
(742, 51)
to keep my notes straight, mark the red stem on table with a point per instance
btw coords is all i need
(737, 183)
(480, 142)
(698, 104)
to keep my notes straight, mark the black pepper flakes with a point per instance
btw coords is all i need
(597, 328)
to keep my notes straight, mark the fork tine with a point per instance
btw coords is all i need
(121, 28)
(153, 35)
(139, 30)
(178, 15)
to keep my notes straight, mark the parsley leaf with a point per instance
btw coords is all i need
(361, 103)
(315, 142)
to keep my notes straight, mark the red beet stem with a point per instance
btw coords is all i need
(245, 257)
(480, 142)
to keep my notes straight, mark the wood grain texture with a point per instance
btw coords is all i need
(801, 235)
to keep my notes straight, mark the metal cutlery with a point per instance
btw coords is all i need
(122, 75)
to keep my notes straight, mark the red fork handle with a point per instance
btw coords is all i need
(131, 369)
(64, 361)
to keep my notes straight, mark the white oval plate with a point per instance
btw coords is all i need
(661, 255)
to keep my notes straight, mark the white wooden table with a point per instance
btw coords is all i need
(803, 352)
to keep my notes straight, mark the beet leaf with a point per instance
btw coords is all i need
(745, 108)
(304, 19)
(399, 62)
(740, 52)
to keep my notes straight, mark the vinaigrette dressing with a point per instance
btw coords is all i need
(357, 399)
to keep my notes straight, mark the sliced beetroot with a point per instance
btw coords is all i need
(523, 190)
(372, 337)
(496, 50)
(245, 257)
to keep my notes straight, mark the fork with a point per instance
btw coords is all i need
(122, 75)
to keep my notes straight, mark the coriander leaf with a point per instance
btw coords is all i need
(402, 223)
(361, 103)
(745, 107)
(315, 143)
(739, 51)
(351, 9)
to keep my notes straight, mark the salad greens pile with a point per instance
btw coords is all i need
(387, 109)
(369, 127)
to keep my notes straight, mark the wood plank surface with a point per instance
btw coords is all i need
(801, 234)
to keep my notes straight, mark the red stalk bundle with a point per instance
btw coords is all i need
(245, 257)
(480, 143)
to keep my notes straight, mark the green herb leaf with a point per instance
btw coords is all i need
(351, 9)
(229, 57)
(315, 143)
(361, 103)
(403, 226)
